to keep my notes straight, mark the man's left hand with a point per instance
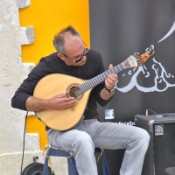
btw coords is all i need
(111, 79)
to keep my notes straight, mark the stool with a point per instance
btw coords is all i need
(71, 161)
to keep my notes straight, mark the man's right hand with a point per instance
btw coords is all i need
(57, 102)
(61, 102)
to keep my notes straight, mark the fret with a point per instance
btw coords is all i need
(99, 78)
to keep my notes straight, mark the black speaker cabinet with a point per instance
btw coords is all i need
(160, 157)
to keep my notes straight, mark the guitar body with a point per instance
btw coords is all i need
(55, 84)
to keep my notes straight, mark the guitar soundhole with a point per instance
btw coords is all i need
(74, 91)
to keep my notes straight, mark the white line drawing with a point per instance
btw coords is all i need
(172, 29)
(161, 82)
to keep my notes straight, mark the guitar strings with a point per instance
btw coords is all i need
(73, 91)
(92, 82)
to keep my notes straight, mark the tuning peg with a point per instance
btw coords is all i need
(136, 54)
(151, 47)
(150, 50)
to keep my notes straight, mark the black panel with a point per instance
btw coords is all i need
(118, 28)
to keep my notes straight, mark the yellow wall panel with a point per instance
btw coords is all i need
(48, 17)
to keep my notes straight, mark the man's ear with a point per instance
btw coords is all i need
(60, 56)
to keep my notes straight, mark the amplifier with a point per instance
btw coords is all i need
(160, 157)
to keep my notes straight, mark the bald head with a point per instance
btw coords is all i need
(70, 47)
(59, 39)
(73, 45)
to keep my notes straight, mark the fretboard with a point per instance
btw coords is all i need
(100, 78)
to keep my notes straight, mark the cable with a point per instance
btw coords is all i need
(152, 111)
(22, 160)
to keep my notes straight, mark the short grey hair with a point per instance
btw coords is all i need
(59, 39)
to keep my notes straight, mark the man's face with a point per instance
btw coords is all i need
(75, 51)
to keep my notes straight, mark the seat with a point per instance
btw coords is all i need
(99, 153)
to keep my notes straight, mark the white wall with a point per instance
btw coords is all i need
(13, 71)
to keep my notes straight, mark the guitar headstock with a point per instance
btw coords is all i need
(136, 59)
(141, 59)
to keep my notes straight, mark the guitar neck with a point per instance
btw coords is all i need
(100, 78)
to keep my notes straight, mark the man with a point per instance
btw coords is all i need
(73, 58)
